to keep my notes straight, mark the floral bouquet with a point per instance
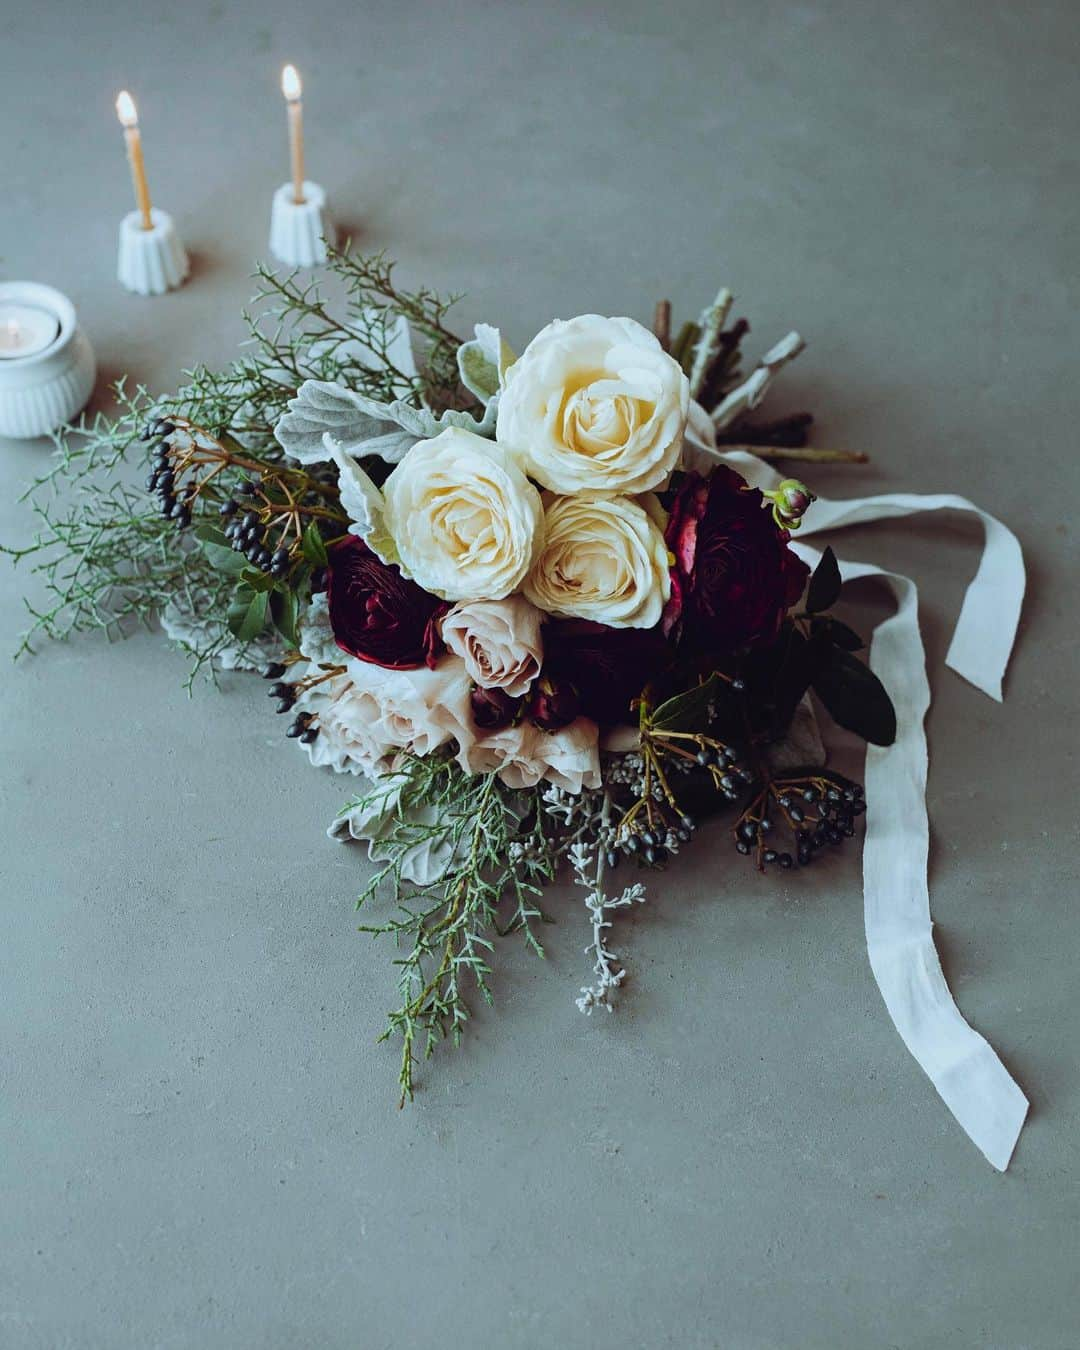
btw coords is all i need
(533, 601)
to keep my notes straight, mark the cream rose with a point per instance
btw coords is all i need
(523, 756)
(465, 521)
(369, 714)
(499, 641)
(604, 558)
(595, 405)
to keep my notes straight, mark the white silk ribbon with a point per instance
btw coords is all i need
(970, 1078)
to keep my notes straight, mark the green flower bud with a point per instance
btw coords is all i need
(791, 500)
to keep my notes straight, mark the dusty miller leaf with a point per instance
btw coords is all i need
(324, 414)
(482, 362)
(365, 506)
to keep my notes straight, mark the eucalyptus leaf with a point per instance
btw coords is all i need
(856, 698)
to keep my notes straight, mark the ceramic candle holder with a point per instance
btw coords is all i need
(151, 262)
(42, 392)
(298, 229)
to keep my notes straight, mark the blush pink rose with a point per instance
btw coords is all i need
(499, 641)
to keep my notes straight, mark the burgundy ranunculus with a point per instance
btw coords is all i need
(608, 667)
(376, 614)
(555, 703)
(493, 709)
(734, 577)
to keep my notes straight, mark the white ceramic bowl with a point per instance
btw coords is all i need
(42, 392)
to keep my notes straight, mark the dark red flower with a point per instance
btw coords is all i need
(608, 667)
(734, 577)
(376, 614)
(555, 703)
(493, 709)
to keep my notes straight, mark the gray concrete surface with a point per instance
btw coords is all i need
(200, 1146)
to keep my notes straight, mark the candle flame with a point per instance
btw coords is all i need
(290, 84)
(125, 109)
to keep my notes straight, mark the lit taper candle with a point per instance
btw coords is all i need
(293, 89)
(129, 120)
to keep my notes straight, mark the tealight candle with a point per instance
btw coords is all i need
(25, 330)
(46, 362)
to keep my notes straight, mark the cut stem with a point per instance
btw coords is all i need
(807, 454)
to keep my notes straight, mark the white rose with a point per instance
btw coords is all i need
(595, 405)
(464, 519)
(499, 641)
(604, 558)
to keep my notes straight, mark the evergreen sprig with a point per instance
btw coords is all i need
(500, 860)
(103, 552)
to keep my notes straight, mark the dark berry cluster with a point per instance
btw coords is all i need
(247, 535)
(656, 826)
(652, 843)
(175, 499)
(303, 727)
(814, 812)
(729, 776)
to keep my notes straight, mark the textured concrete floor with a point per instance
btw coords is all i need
(199, 1143)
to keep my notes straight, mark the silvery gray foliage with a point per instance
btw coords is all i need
(324, 415)
(482, 362)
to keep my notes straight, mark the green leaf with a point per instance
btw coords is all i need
(218, 550)
(688, 711)
(313, 547)
(247, 617)
(837, 633)
(801, 659)
(283, 611)
(824, 584)
(256, 580)
(856, 698)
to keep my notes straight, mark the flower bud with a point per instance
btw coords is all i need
(791, 500)
(493, 709)
(555, 703)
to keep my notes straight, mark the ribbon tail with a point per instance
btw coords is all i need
(966, 1072)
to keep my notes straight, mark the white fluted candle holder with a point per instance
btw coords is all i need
(299, 231)
(41, 392)
(152, 261)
